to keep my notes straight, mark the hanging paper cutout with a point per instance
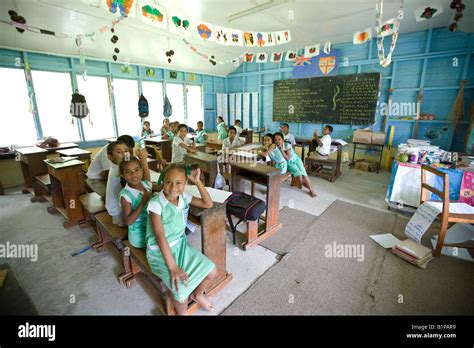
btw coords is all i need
(283, 37)
(290, 55)
(152, 14)
(262, 57)
(361, 37)
(179, 25)
(276, 57)
(270, 39)
(205, 31)
(311, 51)
(236, 38)
(385, 61)
(388, 28)
(261, 38)
(249, 39)
(122, 8)
(327, 47)
(430, 10)
(248, 57)
(222, 35)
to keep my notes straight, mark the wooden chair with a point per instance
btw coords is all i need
(447, 215)
(329, 169)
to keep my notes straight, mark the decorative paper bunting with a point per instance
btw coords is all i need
(327, 47)
(236, 38)
(262, 57)
(248, 57)
(270, 39)
(249, 39)
(261, 38)
(152, 14)
(430, 10)
(122, 8)
(204, 31)
(276, 57)
(222, 35)
(311, 51)
(283, 37)
(290, 55)
(179, 25)
(387, 28)
(385, 61)
(361, 37)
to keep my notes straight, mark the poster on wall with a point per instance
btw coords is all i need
(120, 8)
(152, 14)
(322, 65)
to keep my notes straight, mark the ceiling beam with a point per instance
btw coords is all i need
(256, 9)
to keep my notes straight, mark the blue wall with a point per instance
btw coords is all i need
(421, 60)
(38, 61)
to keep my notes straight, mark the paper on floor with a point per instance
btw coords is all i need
(421, 221)
(387, 240)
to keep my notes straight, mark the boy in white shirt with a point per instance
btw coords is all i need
(232, 140)
(181, 145)
(98, 171)
(238, 128)
(285, 128)
(321, 147)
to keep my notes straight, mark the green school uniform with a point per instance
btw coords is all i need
(137, 230)
(200, 137)
(295, 165)
(280, 161)
(170, 135)
(192, 261)
(146, 134)
(221, 130)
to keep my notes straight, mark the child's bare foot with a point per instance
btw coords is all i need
(312, 193)
(204, 301)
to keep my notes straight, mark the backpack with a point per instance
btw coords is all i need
(79, 108)
(245, 207)
(142, 106)
(48, 142)
(167, 108)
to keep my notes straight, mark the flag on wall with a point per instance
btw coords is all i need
(361, 37)
(311, 51)
(152, 14)
(322, 65)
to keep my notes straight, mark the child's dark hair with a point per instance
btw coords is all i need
(124, 163)
(269, 135)
(200, 122)
(166, 119)
(280, 134)
(183, 168)
(182, 125)
(237, 121)
(112, 145)
(220, 118)
(128, 140)
(285, 124)
(329, 127)
(232, 128)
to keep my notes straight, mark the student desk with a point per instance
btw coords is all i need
(248, 135)
(363, 146)
(164, 144)
(207, 163)
(271, 178)
(302, 142)
(6, 155)
(32, 164)
(214, 144)
(61, 147)
(67, 184)
(82, 155)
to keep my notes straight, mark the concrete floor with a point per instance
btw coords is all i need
(59, 284)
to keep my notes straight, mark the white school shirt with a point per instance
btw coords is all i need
(238, 130)
(112, 202)
(291, 138)
(227, 144)
(178, 151)
(99, 164)
(325, 150)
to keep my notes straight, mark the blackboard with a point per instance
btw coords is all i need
(348, 99)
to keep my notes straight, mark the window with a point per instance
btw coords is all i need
(194, 105)
(126, 107)
(175, 93)
(153, 92)
(96, 91)
(17, 122)
(53, 97)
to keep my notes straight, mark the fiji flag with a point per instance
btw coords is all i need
(321, 65)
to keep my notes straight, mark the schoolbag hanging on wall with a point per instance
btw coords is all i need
(142, 107)
(79, 108)
(167, 108)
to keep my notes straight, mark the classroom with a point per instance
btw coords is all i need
(165, 157)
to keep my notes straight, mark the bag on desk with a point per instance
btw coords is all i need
(245, 207)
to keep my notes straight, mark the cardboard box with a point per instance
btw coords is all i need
(379, 138)
(362, 136)
(367, 166)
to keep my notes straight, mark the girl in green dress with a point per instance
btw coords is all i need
(294, 163)
(201, 135)
(274, 153)
(134, 199)
(183, 269)
(221, 128)
(171, 133)
(146, 131)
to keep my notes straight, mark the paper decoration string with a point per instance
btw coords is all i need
(385, 61)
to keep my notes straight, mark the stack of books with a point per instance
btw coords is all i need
(412, 252)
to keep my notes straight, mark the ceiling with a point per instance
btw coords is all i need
(314, 21)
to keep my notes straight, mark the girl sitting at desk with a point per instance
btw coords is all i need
(275, 154)
(201, 135)
(166, 126)
(146, 131)
(231, 141)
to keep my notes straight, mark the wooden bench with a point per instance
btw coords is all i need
(92, 204)
(111, 236)
(41, 187)
(329, 169)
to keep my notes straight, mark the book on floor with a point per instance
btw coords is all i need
(413, 252)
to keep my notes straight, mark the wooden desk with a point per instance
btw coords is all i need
(7, 155)
(302, 142)
(214, 144)
(67, 184)
(82, 155)
(32, 164)
(207, 163)
(259, 133)
(248, 135)
(271, 178)
(164, 144)
(61, 147)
